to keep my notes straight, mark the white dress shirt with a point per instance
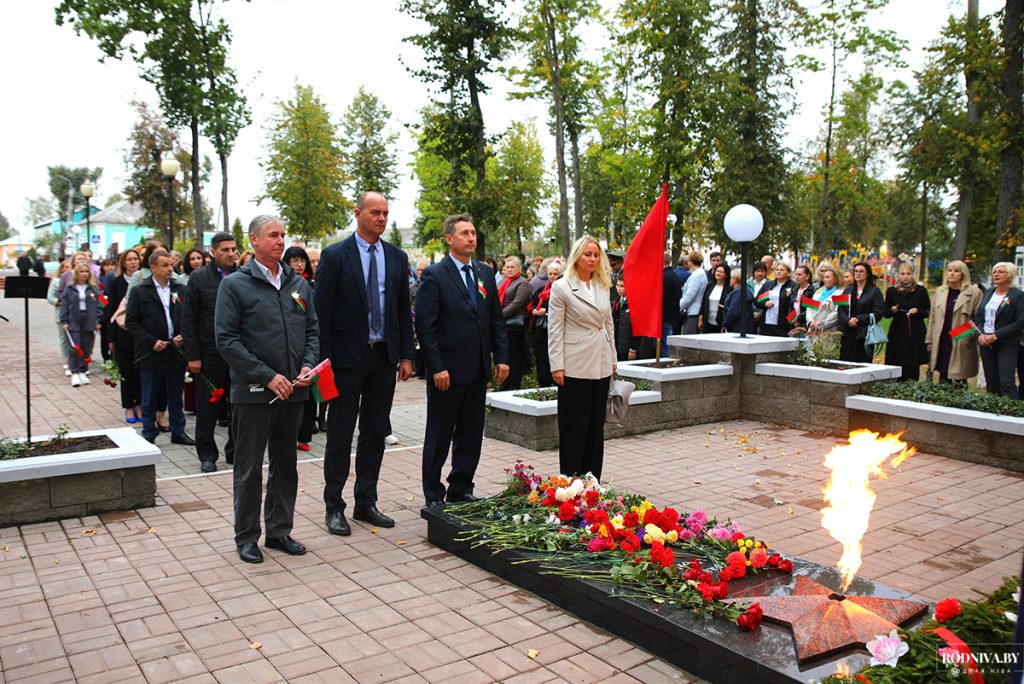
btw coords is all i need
(274, 280)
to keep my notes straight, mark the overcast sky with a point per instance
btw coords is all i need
(62, 106)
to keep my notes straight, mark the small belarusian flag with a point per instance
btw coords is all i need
(964, 331)
(323, 387)
(480, 288)
(103, 300)
(841, 300)
(763, 297)
(299, 301)
(78, 350)
(791, 316)
(810, 303)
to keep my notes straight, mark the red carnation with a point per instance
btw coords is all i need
(216, 395)
(750, 620)
(786, 565)
(736, 536)
(567, 511)
(630, 543)
(630, 520)
(725, 574)
(592, 498)
(668, 519)
(720, 590)
(773, 560)
(758, 558)
(706, 592)
(738, 563)
(947, 609)
(651, 516)
(595, 516)
(87, 359)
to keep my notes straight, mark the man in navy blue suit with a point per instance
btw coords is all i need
(460, 327)
(362, 301)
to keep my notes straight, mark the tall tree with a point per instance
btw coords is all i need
(841, 28)
(58, 178)
(1011, 158)
(519, 184)
(304, 168)
(5, 227)
(463, 43)
(371, 159)
(966, 186)
(445, 185)
(150, 139)
(39, 209)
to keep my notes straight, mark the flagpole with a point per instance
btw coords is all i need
(657, 353)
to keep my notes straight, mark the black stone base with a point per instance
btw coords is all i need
(714, 649)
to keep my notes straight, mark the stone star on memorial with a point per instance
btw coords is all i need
(825, 622)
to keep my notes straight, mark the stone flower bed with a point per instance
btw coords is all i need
(40, 488)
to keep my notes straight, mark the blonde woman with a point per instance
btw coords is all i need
(1000, 318)
(79, 318)
(953, 304)
(53, 297)
(581, 348)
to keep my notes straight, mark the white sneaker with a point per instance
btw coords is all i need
(84, 377)
(391, 439)
(76, 380)
(67, 373)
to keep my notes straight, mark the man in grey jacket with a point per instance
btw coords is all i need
(693, 294)
(267, 332)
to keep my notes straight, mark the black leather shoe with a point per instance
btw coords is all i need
(321, 425)
(164, 428)
(230, 460)
(250, 553)
(183, 439)
(462, 498)
(437, 502)
(286, 544)
(336, 524)
(371, 515)
(151, 440)
(208, 467)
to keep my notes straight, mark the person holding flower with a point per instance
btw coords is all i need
(581, 346)
(1000, 320)
(79, 317)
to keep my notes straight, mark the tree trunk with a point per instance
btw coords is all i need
(479, 155)
(224, 191)
(1008, 208)
(551, 48)
(826, 170)
(197, 196)
(923, 271)
(577, 185)
(965, 187)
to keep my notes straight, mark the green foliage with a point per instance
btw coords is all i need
(395, 236)
(59, 186)
(45, 244)
(11, 449)
(371, 159)
(520, 187)
(5, 227)
(241, 237)
(948, 394)
(982, 624)
(817, 350)
(39, 209)
(305, 174)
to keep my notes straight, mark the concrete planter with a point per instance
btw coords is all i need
(43, 488)
(973, 436)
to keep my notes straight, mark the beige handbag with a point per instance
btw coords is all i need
(618, 401)
(121, 313)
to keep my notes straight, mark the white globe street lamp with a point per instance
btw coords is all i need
(86, 191)
(743, 224)
(169, 167)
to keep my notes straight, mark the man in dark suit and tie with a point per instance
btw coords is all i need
(362, 301)
(460, 326)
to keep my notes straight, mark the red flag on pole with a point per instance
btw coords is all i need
(643, 267)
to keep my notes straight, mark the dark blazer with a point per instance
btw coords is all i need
(706, 300)
(870, 302)
(801, 310)
(1009, 318)
(786, 303)
(197, 317)
(672, 291)
(145, 320)
(732, 315)
(342, 308)
(453, 335)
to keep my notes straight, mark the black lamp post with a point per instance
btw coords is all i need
(743, 224)
(169, 167)
(87, 191)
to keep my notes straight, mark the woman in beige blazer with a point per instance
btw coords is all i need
(953, 304)
(581, 346)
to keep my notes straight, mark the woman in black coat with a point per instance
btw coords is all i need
(907, 304)
(298, 260)
(775, 302)
(712, 308)
(804, 289)
(120, 339)
(862, 300)
(1000, 318)
(733, 318)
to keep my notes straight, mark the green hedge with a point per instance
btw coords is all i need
(948, 394)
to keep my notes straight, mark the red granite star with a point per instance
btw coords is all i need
(824, 622)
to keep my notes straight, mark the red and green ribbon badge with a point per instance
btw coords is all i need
(963, 331)
(480, 288)
(810, 303)
(298, 300)
(841, 300)
(175, 299)
(763, 297)
(103, 300)
(1005, 303)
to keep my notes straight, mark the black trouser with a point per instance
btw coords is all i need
(207, 414)
(1020, 371)
(999, 363)
(581, 409)
(365, 392)
(308, 421)
(690, 325)
(776, 330)
(455, 418)
(124, 355)
(540, 347)
(271, 428)
(516, 352)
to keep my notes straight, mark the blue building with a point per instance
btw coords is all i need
(111, 230)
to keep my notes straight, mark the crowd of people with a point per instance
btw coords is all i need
(253, 331)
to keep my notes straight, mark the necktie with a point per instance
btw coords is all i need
(470, 285)
(373, 292)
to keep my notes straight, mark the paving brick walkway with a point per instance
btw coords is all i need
(159, 594)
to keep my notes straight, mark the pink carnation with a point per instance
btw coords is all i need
(697, 521)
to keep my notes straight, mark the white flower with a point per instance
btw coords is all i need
(1012, 617)
(517, 519)
(552, 519)
(526, 518)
